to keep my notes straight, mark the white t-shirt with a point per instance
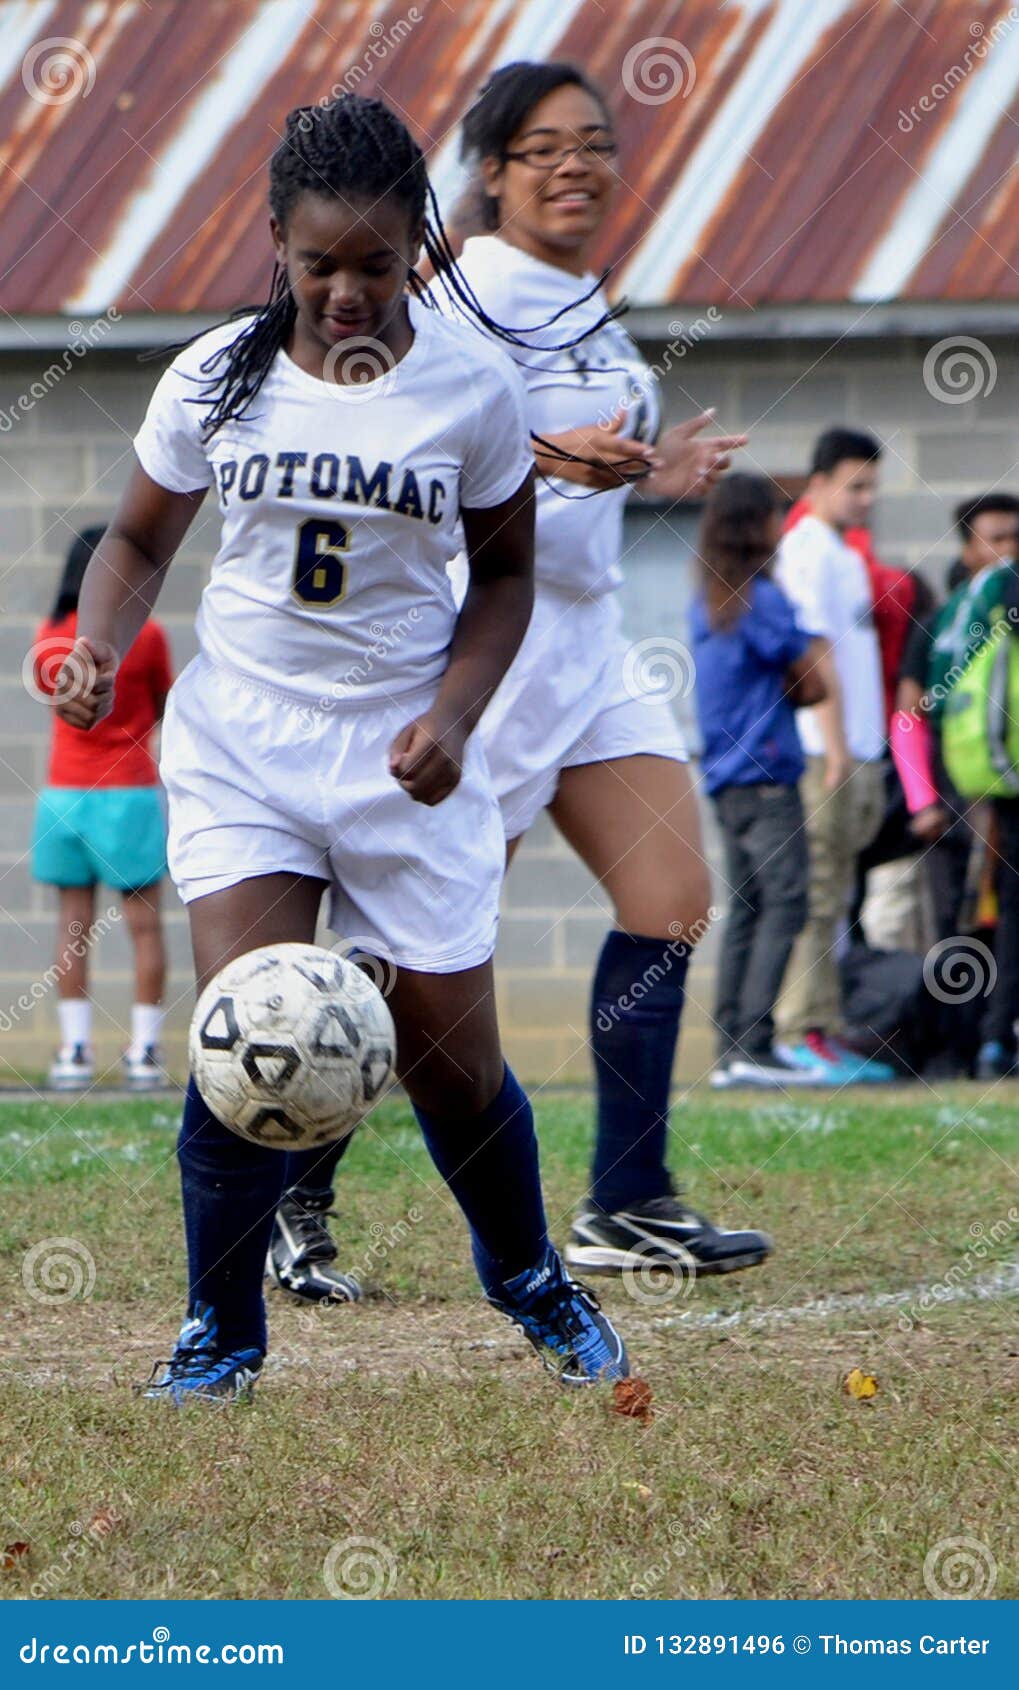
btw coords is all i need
(830, 589)
(579, 533)
(340, 506)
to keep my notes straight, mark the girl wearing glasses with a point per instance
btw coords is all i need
(568, 729)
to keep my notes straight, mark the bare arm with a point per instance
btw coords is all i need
(426, 757)
(118, 593)
(831, 720)
(805, 683)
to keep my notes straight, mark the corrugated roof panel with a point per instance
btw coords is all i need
(784, 169)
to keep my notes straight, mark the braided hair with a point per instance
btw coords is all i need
(355, 148)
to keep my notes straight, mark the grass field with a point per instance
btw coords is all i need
(412, 1446)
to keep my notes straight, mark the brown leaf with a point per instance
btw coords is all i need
(13, 1553)
(632, 1397)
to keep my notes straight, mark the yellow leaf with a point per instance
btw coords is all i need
(862, 1386)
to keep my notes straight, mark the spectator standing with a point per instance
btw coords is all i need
(843, 739)
(753, 660)
(100, 818)
(989, 533)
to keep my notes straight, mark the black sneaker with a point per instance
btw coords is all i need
(302, 1250)
(660, 1232)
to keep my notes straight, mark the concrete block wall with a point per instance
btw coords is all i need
(64, 462)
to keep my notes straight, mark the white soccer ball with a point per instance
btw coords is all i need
(290, 1046)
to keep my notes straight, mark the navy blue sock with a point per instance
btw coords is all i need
(310, 1173)
(490, 1163)
(230, 1190)
(636, 1004)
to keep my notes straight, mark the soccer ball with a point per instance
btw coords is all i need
(291, 1045)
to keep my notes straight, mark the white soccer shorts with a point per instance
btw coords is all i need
(571, 696)
(259, 781)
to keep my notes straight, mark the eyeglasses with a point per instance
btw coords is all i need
(548, 156)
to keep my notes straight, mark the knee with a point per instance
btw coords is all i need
(455, 1090)
(682, 910)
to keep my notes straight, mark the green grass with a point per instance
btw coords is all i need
(419, 1423)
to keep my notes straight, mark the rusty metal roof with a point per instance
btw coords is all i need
(797, 151)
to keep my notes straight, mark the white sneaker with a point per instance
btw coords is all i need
(143, 1071)
(72, 1069)
(720, 1077)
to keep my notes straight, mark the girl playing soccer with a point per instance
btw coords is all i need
(321, 741)
(568, 729)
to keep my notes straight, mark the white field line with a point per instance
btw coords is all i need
(1004, 1282)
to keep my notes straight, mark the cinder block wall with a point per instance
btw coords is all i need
(63, 463)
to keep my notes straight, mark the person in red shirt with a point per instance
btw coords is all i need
(99, 818)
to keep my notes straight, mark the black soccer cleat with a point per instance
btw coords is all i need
(661, 1232)
(302, 1250)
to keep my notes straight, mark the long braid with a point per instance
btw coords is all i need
(354, 148)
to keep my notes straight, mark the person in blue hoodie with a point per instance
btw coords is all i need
(755, 667)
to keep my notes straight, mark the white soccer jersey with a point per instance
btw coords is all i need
(340, 506)
(579, 533)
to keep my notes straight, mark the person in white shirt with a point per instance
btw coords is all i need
(573, 727)
(322, 740)
(843, 787)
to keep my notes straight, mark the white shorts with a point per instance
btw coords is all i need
(261, 782)
(569, 697)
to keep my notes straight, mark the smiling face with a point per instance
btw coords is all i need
(347, 263)
(550, 210)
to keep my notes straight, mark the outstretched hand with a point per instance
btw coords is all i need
(689, 466)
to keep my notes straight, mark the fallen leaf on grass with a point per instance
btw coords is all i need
(643, 1491)
(103, 1521)
(860, 1385)
(632, 1397)
(13, 1553)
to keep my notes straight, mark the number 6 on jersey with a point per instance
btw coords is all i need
(320, 574)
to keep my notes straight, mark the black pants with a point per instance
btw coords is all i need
(1003, 1004)
(766, 869)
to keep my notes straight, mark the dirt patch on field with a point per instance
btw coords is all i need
(99, 1345)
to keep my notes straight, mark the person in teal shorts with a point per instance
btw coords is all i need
(100, 819)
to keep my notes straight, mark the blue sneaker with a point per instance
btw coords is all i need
(865, 1069)
(814, 1057)
(564, 1322)
(198, 1371)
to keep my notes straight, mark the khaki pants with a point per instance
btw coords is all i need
(839, 825)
